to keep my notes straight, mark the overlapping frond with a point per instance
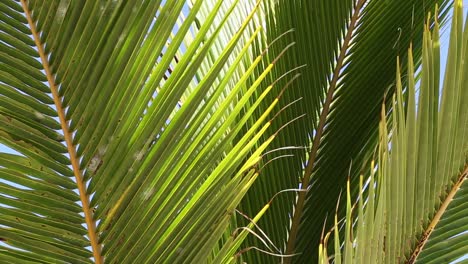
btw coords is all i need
(415, 207)
(130, 121)
(302, 23)
(356, 75)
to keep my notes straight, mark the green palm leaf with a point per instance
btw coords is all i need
(417, 210)
(348, 49)
(126, 123)
(223, 131)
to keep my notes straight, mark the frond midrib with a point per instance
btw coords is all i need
(438, 215)
(84, 198)
(319, 132)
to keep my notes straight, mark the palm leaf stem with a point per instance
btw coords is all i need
(440, 212)
(322, 121)
(91, 224)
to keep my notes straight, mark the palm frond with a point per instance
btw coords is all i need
(355, 75)
(149, 162)
(415, 210)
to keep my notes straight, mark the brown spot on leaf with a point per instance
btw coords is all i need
(121, 240)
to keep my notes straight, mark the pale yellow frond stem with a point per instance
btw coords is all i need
(90, 223)
(435, 220)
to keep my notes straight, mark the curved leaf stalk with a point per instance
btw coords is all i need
(319, 132)
(84, 197)
(436, 219)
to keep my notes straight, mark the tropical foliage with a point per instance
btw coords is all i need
(416, 201)
(219, 131)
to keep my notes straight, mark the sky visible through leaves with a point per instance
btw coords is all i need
(445, 33)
